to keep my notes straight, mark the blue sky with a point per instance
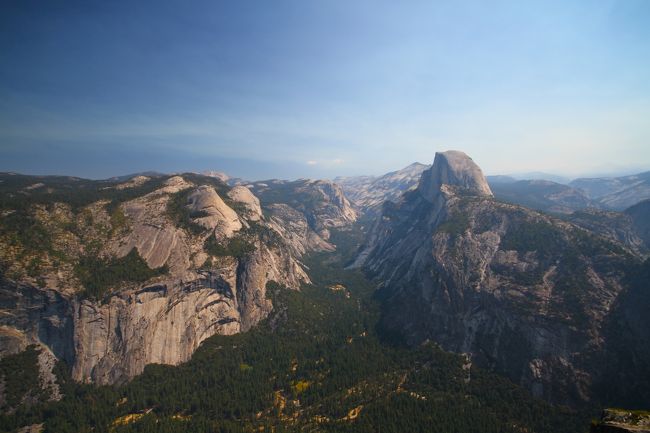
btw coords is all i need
(289, 89)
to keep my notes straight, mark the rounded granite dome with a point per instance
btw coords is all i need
(453, 168)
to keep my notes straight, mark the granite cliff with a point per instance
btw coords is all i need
(523, 293)
(113, 275)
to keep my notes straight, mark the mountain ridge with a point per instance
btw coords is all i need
(368, 193)
(539, 299)
(192, 256)
(616, 193)
(460, 268)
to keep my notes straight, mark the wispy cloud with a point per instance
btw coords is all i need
(326, 163)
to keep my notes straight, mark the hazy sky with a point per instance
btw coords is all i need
(323, 88)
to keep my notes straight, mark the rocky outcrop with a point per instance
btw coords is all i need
(622, 421)
(163, 320)
(223, 177)
(35, 316)
(331, 209)
(321, 204)
(157, 240)
(212, 212)
(295, 230)
(251, 204)
(43, 318)
(133, 182)
(47, 379)
(162, 323)
(445, 176)
(453, 168)
(525, 294)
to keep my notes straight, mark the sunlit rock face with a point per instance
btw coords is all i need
(243, 195)
(164, 319)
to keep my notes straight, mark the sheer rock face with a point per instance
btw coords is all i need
(116, 340)
(165, 323)
(165, 319)
(453, 168)
(35, 316)
(525, 294)
(31, 316)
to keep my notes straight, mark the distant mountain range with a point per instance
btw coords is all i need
(368, 193)
(542, 282)
(610, 193)
(542, 195)
(540, 175)
(616, 192)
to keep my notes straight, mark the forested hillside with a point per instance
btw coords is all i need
(316, 364)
